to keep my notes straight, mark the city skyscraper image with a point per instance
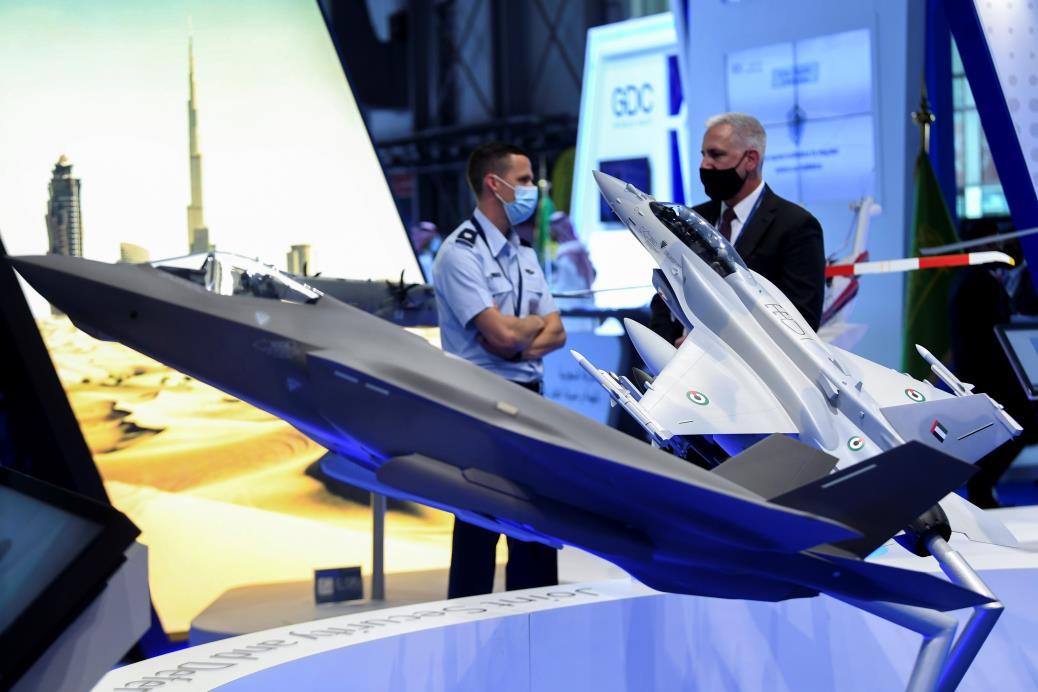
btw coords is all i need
(64, 218)
(197, 232)
(276, 150)
(297, 260)
(130, 253)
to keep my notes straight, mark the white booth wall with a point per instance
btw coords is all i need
(718, 28)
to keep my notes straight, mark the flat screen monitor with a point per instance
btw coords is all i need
(636, 171)
(57, 551)
(1020, 342)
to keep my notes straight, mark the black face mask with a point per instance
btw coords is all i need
(724, 183)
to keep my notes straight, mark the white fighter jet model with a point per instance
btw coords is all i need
(751, 366)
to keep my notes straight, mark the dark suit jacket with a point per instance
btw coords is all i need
(782, 242)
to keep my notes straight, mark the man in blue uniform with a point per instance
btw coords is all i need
(496, 311)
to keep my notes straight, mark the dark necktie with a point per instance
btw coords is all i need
(726, 223)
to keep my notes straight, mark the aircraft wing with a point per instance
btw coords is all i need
(706, 389)
(967, 427)
(886, 385)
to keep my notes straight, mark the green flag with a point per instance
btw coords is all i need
(926, 291)
(542, 234)
(562, 179)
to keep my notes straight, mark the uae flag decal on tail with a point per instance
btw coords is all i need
(938, 431)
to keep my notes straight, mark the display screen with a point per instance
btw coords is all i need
(1021, 345)
(57, 550)
(814, 98)
(37, 542)
(634, 171)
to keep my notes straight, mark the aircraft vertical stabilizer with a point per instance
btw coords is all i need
(881, 495)
(776, 465)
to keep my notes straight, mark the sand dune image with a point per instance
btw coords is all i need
(218, 487)
(201, 547)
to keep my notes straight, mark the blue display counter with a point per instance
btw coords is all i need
(610, 635)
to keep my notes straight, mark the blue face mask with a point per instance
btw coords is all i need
(524, 205)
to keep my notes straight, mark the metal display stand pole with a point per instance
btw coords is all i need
(980, 624)
(378, 547)
(937, 629)
(943, 658)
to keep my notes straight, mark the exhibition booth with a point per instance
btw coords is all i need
(233, 458)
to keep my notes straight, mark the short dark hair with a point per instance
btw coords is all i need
(489, 158)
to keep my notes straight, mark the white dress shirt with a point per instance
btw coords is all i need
(742, 211)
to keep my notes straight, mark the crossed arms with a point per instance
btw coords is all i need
(519, 338)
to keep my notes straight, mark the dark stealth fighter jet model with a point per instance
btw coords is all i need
(772, 523)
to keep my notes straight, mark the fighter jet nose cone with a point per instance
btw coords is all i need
(607, 182)
(617, 191)
(31, 265)
(612, 188)
(66, 282)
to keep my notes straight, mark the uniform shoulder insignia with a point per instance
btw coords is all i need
(467, 236)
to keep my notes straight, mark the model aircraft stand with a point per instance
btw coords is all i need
(937, 629)
(378, 547)
(942, 660)
(981, 622)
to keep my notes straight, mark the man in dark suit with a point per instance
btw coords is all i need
(776, 238)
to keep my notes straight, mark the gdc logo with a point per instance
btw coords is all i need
(632, 100)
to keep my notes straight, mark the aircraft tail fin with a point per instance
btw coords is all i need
(776, 465)
(881, 495)
(966, 427)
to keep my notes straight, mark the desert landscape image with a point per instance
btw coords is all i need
(251, 106)
(219, 489)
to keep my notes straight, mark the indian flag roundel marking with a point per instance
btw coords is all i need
(856, 443)
(915, 395)
(697, 398)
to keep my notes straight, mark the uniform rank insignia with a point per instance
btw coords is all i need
(467, 236)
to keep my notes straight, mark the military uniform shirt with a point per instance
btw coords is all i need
(471, 275)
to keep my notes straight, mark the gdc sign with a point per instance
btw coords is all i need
(632, 100)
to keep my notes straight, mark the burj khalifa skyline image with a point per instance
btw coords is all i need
(197, 231)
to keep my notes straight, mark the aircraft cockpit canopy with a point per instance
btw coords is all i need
(233, 275)
(702, 238)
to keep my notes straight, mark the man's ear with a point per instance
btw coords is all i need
(491, 183)
(753, 157)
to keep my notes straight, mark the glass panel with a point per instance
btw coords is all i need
(988, 174)
(959, 85)
(960, 157)
(979, 192)
(992, 201)
(973, 206)
(971, 145)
